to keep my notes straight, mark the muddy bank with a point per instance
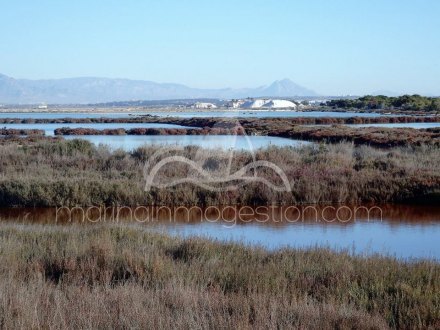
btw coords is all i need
(15, 132)
(202, 122)
(290, 128)
(294, 128)
(289, 122)
(150, 131)
(373, 136)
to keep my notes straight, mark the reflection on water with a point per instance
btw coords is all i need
(402, 231)
(189, 114)
(50, 128)
(130, 142)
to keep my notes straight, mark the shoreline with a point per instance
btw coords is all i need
(140, 109)
(92, 110)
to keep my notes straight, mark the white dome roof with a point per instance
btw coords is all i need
(269, 104)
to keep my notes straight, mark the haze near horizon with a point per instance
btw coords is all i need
(334, 48)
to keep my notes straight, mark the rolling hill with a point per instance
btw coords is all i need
(97, 90)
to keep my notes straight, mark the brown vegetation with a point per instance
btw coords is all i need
(16, 132)
(282, 127)
(210, 122)
(122, 277)
(150, 131)
(19, 141)
(88, 131)
(373, 136)
(290, 122)
(68, 173)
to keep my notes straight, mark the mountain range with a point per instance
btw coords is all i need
(97, 90)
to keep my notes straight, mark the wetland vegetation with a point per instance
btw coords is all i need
(123, 277)
(127, 276)
(52, 172)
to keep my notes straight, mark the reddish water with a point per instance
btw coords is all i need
(402, 231)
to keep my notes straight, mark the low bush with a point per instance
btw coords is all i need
(75, 172)
(124, 277)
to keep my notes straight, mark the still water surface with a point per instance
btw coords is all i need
(187, 114)
(49, 128)
(398, 230)
(226, 142)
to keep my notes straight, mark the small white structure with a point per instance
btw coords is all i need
(204, 105)
(235, 104)
(42, 106)
(254, 104)
(280, 104)
(269, 104)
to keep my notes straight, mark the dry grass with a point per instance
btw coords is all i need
(68, 173)
(106, 277)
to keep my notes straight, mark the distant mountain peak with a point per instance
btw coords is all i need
(285, 81)
(85, 90)
(286, 87)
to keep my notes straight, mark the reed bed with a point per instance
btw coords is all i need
(125, 277)
(67, 173)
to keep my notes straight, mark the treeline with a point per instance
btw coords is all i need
(406, 102)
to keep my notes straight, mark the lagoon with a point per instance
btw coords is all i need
(403, 231)
(225, 142)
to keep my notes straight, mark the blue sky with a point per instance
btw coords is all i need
(334, 47)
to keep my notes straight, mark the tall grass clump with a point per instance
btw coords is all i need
(124, 277)
(75, 172)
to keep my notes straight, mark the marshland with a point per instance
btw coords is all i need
(76, 172)
(125, 277)
(220, 165)
(365, 272)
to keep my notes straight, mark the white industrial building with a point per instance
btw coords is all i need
(235, 104)
(268, 104)
(204, 105)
